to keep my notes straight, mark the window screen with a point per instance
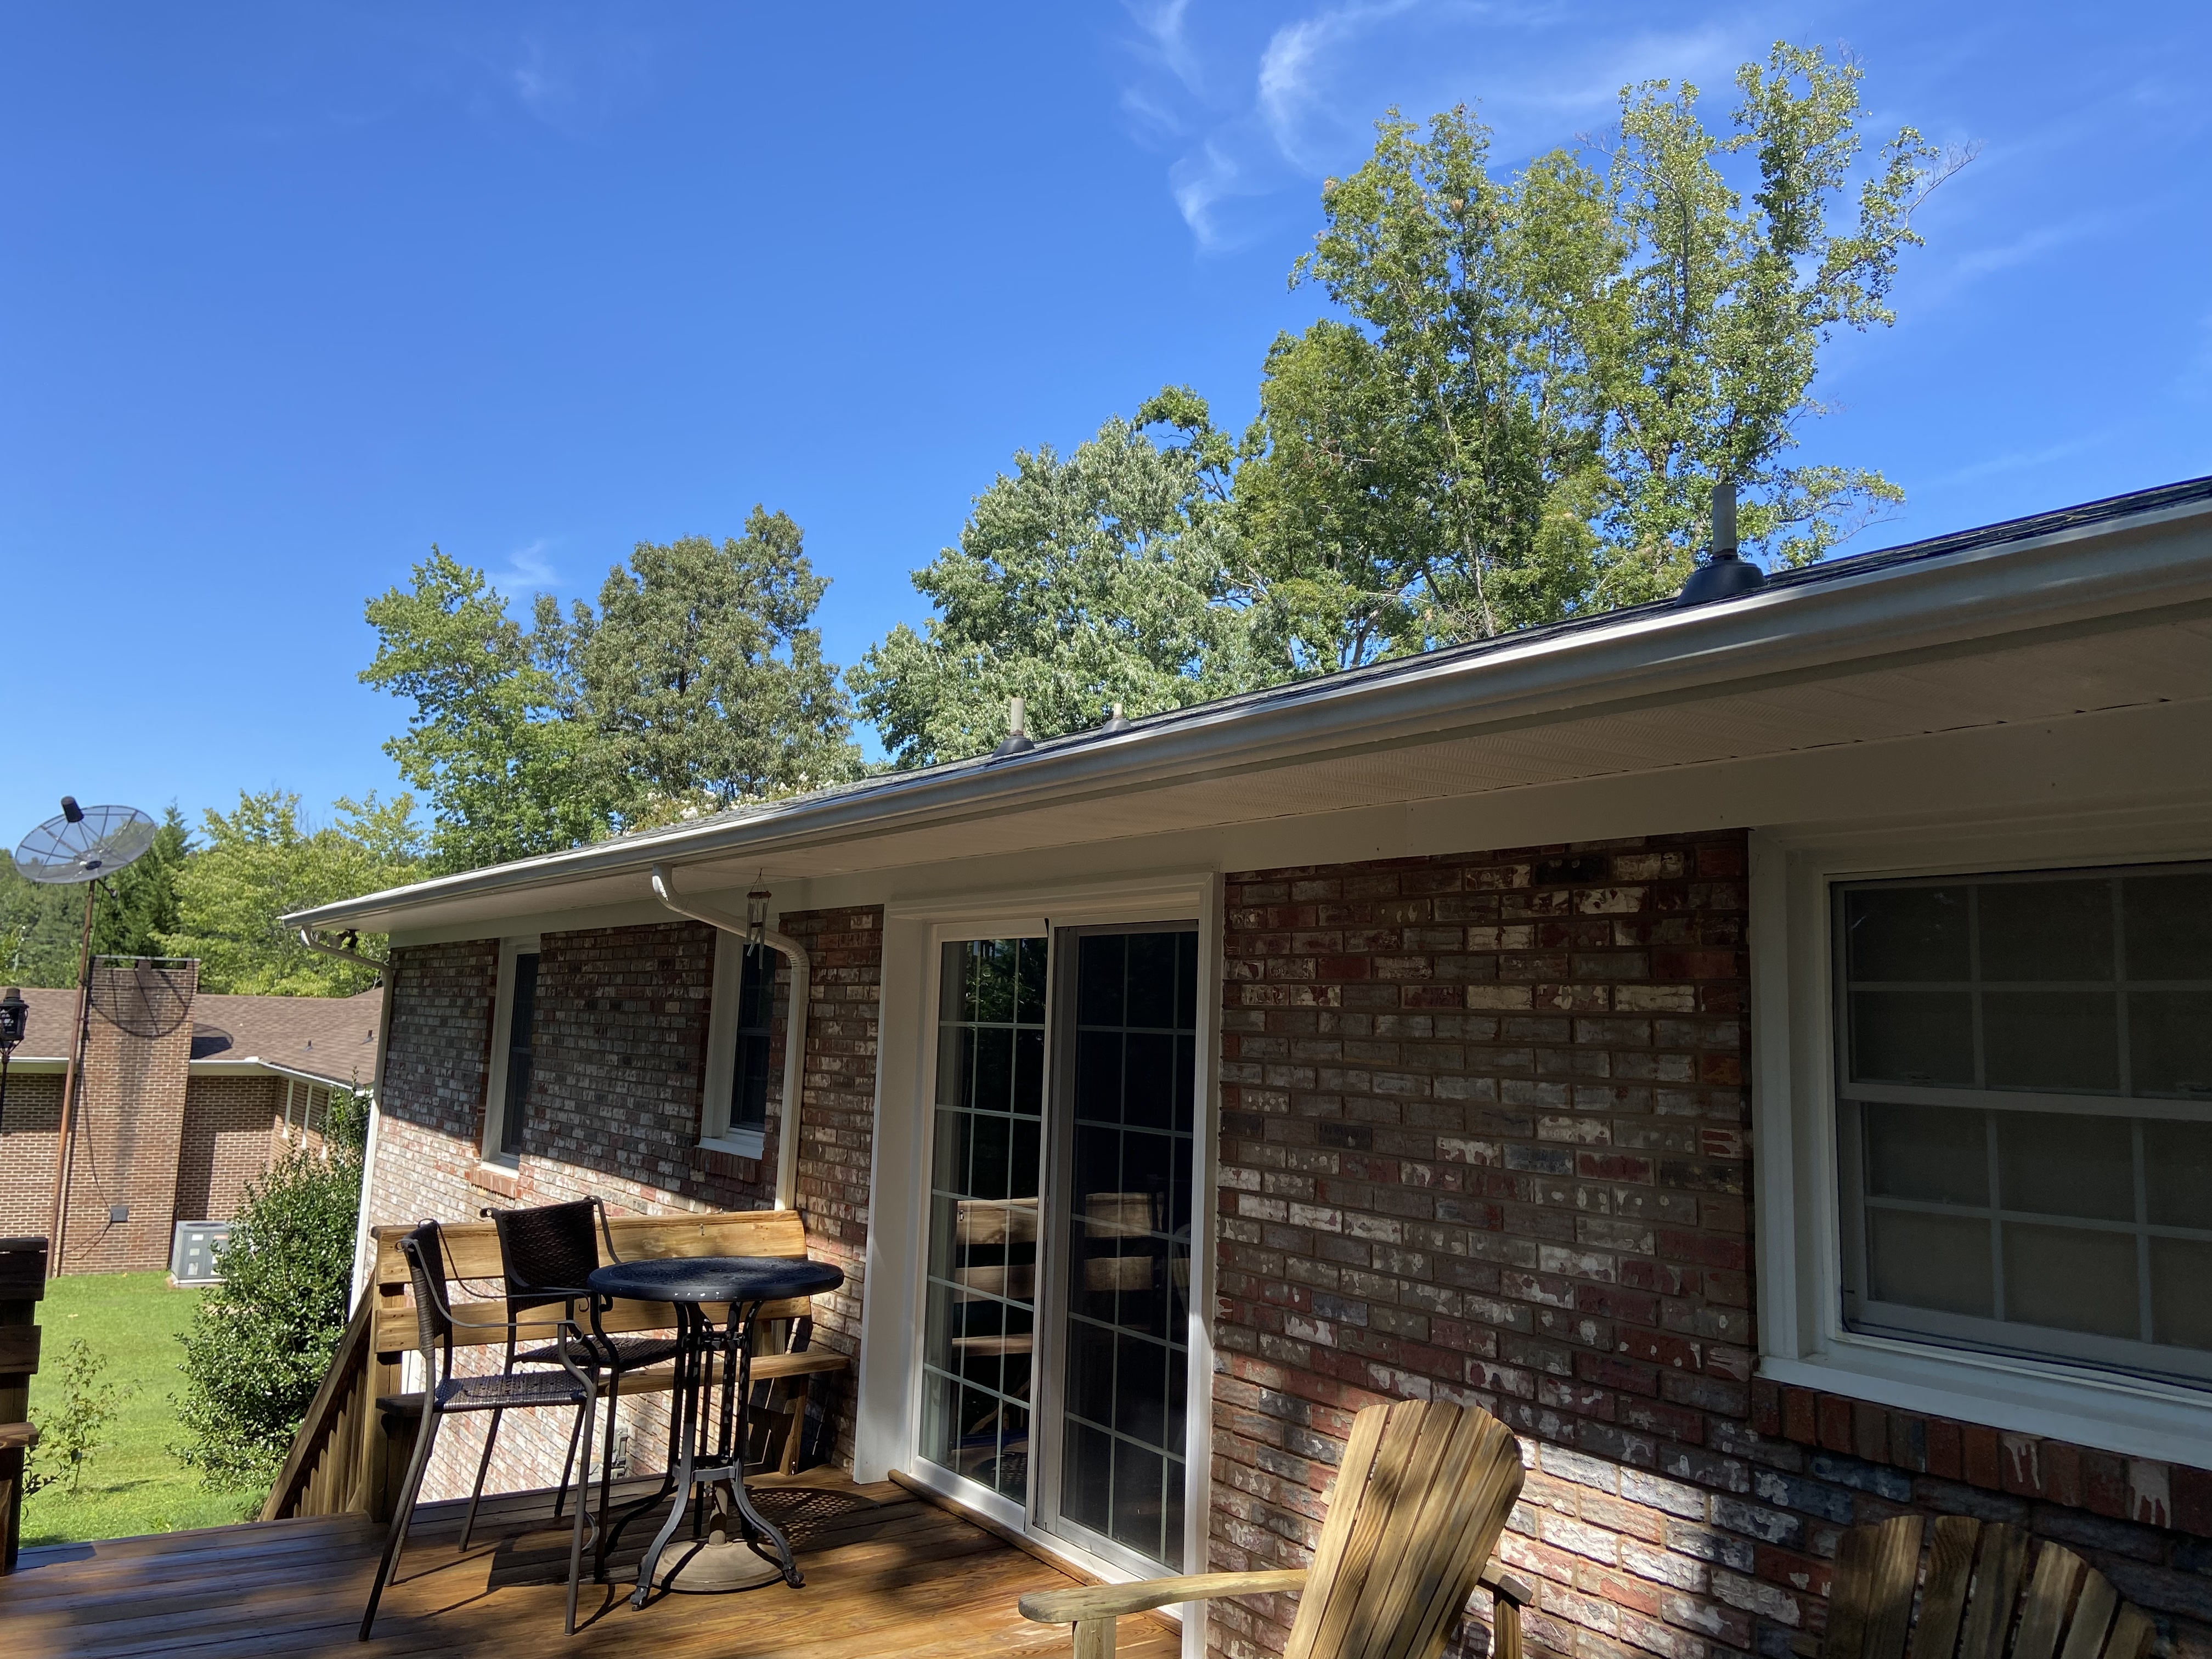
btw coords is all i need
(2026, 1087)
(521, 1027)
(755, 1057)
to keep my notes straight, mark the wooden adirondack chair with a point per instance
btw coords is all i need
(1421, 1497)
(1976, 1575)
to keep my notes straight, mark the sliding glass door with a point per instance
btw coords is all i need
(1059, 1268)
(1125, 1095)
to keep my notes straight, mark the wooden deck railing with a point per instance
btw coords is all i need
(326, 1471)
(22, 1283)
(352, 1447)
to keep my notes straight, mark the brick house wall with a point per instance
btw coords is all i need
(29, 1129)
(1485, 1137)
(130, 1129)
(230, 1130)
(618, 1074)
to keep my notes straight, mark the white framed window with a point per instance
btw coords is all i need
(1983, 1092)
(743, 1068)
(515, 1031)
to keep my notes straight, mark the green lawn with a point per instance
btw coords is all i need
(133, 1484)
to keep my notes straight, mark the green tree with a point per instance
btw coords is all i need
(1103, 577)
(261, 1340)
(702, 680)
(1710, 375)
(138, 908)
(493, 742)
(1535, 382)
(261, 861)
(699, 684)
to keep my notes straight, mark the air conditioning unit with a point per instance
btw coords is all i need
(193, 1251)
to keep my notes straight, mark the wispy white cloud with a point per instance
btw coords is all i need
(2021, 460)
(1255, 121)
(527, 570)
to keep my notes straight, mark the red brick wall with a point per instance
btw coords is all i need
(615, 1109)
(129, 1128)
(229, 1135)
(28, 1130)
(1483, 1137)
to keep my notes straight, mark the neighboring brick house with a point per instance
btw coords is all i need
(1761, 1050)
(185, 1097)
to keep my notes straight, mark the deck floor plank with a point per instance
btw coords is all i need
(887, 1577)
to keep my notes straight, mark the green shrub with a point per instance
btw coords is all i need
(262, 1339)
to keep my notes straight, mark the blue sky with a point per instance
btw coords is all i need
(288, 292)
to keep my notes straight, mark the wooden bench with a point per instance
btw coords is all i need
(22, 1286)
(783, 1356)
(1978, 1600)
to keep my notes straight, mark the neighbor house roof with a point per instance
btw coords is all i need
(333, 1038)
(1886, 644)
(329, 1039)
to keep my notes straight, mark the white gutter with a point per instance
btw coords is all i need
(795, 1021)
(2074, 579)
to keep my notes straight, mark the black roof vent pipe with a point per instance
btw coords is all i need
(1018, 741)
(1725, 572)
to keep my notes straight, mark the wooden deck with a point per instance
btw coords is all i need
(887, 1577)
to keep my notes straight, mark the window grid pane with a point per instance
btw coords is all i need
(979, 1318)
(1980, 1210)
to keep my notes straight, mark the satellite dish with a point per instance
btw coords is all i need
(84, 843)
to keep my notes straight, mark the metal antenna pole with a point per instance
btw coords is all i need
(75, 1070)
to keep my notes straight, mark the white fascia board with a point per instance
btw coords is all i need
(2078, 579)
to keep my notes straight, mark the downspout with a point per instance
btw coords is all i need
(364, 1257)
(794, 1023)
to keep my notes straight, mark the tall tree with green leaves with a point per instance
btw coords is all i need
(702, 680)
(1105, 576)
(494, 743)
(262, 860)
(1535, 382)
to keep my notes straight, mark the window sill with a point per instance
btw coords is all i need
(2127, 1415)
(736, 1143)
(504, 1180)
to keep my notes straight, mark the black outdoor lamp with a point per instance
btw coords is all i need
(14, 1020)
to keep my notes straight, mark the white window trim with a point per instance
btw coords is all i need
(503, 1014)
(1797, 1239)
(715, 1134)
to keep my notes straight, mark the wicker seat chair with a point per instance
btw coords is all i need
(566, 1383)
(546, 1254)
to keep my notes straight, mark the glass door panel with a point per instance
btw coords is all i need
(981, 1313)
(1126, 1095)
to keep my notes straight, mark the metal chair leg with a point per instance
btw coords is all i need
(576, 1536)
(560, 1495)
(475, 1493)
(395, 1540)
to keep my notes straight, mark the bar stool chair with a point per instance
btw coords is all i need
(546, 1254)
(444, 1393)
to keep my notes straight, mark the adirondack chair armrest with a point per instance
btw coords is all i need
(1514, 1592)
(14, 1436)
(1080, 1606)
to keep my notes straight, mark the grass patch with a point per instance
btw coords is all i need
(134, 1484)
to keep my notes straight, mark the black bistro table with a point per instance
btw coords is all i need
(710, 1446)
